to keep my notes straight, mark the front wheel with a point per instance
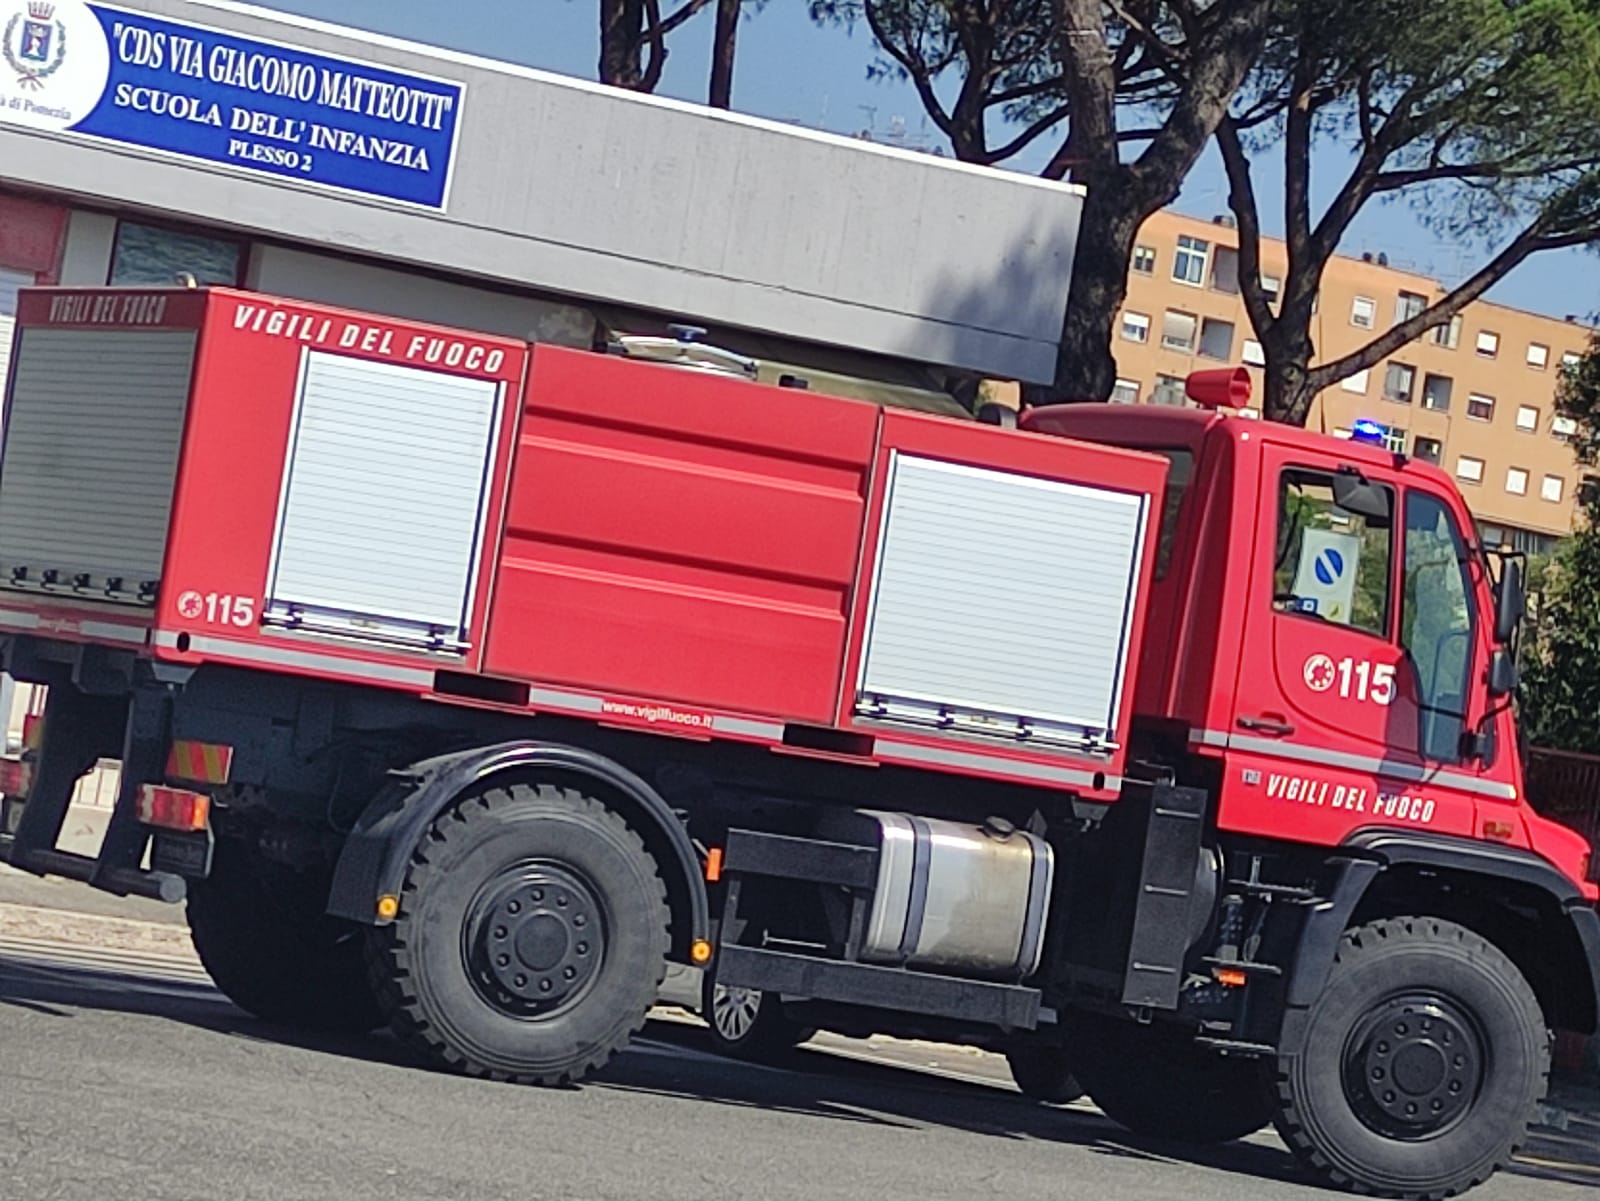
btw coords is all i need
(1156, 1081)
(531, 938)
(1422, 1065)
(1044, 1073)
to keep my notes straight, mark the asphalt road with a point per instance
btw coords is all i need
(126, 1076)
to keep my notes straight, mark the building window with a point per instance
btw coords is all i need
(1408, 306)
(1538, 356)
(1516, 481)
(1216, 338)
(1570, 359)
(1363, 312)
(1189, 264)
(1135, 326)
(1553, 488)
(1271, 285)
(149, 255)
(1469, 469)
(1429, 450)
(1394, 439)
(1448, 335)
(1562, 428)
(1144, 260)
(1169, 390)
(1253, 354)
(1436, 391)
(1225, 270)
(1126, 392)
(1480, 407)
(1178, 330)
(1356, 383)
(1527, 419)
(1398, 381)
(1488, 344)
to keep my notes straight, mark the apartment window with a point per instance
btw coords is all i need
(1469, 469)
(1189, 264)
(1562, 428)
(1394, 440)
(1436, 391)
(1408, 306)
(1169, 390)
(1480, 407)
(1570, 360)
(1488, 344)
(1398, 381)
(1135, 326)
(1429, 450)
(1516, 481)
(1363, 312)
(1341, 432)
(1216, 338)
(1538, 356)
(1356, 383)
(1448, 335)
(1272, 286)
(1144, 260)
(150, 255)
(1253, 354)
(1126, 392)
(1178, 330)
(1553, 488)
(1225, 270)
(1527, 419)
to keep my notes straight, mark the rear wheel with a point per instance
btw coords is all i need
(531, 938)
(261, 932)
(1422, 1065)
(1158, 1082)
(747, 1023)
(1044, 1072)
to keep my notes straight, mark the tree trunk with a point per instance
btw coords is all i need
(1288, 351)
(622, 43)
(1085, 368)
(722, 53)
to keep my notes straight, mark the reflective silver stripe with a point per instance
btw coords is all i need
(19, 621)
(747, 728)
(549, 698)
(1383, 768)
(913, 752)
(280, 656)
(103, 629)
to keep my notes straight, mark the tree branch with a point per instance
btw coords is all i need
(1247, 217)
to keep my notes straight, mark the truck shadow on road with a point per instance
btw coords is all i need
(673, 1059)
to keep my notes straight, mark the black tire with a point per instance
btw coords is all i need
(748, 1024)
(1157, 1082)
(1443, 1015)
(1044, 1073)
(261, 932)
(531, 938)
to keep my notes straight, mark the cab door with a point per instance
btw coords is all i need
(1326, 672)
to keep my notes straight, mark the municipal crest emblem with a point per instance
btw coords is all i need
(35, 43)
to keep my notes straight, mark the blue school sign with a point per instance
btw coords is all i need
(93, 71)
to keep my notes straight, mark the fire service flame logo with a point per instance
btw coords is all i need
(35, 44)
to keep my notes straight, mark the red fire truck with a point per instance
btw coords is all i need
(461, 685)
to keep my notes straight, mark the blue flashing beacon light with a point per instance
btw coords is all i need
(1367, 430)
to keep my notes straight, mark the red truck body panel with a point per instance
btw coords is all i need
(670, 550)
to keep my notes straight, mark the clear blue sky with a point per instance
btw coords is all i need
(790, 69)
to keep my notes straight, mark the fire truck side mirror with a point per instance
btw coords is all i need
(1510, 601)
(1502, 672)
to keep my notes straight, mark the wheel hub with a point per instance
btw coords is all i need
(734, 1011)
(534, 939)
(1413, 1067)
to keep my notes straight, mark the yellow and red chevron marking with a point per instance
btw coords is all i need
(199, 762)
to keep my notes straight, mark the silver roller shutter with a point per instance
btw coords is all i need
(1001, 603)
(91, 452)
(383, 501)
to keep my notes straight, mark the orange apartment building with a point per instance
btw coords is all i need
(1475, 397)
